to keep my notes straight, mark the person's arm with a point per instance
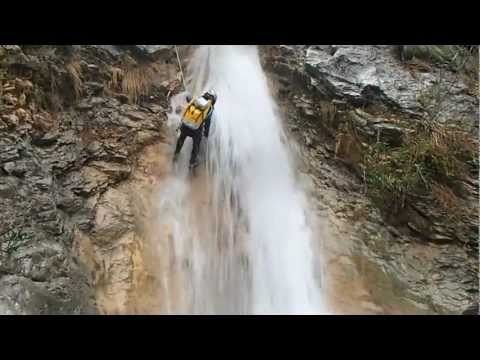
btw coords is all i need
(207, 124)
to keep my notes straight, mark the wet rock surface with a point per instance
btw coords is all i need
(426, 270)
(54, 168)
(118, 246)
(366, 75)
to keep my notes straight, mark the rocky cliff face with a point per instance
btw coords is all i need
(84, 147)
(340, 102)
(73, 121)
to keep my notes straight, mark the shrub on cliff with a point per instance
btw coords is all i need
(433, 160)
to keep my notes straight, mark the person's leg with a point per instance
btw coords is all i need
(180, 142)
(197, 138)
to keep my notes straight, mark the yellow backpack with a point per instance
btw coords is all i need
(196, 113)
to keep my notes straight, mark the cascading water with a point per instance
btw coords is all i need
(237, 234)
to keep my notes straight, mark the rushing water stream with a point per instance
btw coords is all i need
(237, 235)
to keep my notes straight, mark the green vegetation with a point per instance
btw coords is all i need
(454, 56)
(433, 160)
(12, 240)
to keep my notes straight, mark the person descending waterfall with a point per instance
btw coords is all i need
(196, 121)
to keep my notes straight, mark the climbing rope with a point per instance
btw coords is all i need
(181, 70)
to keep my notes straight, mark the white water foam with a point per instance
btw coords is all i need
(242, 223)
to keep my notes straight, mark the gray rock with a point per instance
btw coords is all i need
(8, 152)
(84, 105)
(389, 133)
(122, 98)
(48, 139)
(95, 87)
(145, 52)
(13, 49)
(7, 188)
(441, 238)
(365, 75)
(23, 296)
(152, 49)
(10, 119)
(50, 175)
(286, 50)
(155, 108)
(16, 168)
(432, 273)
(136, 115)
(95, 101)
(111, 49)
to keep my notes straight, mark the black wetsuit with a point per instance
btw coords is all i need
(196, 136)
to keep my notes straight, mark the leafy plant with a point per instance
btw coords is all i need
(12, 240)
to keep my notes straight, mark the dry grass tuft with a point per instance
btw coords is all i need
(328, 112)
(74, 71)
(134, 81)
(446, 198)
(116, 78)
